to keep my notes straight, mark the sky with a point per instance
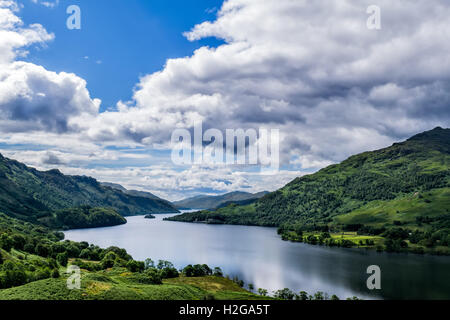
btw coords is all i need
(119, 40)
(104, 100)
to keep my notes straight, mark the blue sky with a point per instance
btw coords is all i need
(312, 70)
(123, 40)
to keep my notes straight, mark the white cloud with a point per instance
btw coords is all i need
(309, 68)
(48, 4)
(14, 37)
(31, 97)
(34, 99)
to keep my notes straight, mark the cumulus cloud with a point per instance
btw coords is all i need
(309, 68)
(31, 97)
(14, 37)
(34, 99)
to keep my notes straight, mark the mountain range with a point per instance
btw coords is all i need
(33, 195)
(214, 202)
(136, 193)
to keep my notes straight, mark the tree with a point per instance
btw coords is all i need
(189, 271)
(121, 253)
(347, 243)
(85, 254)
(284, 294)
(18, 241)
(58, 247)
(162, 264)
(446, 240)
(299, 231)
(135, 266)
(262, 292)
(251, 287)
(151, 276)
(42, 250)
(218, 272)
(198, 270)
(319, 296)
(397, 233)
(52, 263)
(41, 274)
(62, 258)
(6, 242)
(29, 247)
(55, 273)
(325, 235)
(149, 263)
(14, 275)
(312, 239)
(303, 295)
(206, 270)
(108, 260)
(240, 283)
(73, 251)
(168, 273)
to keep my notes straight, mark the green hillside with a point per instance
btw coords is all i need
(29, 194)
(34, 260)
(120, 284)
(83, 217)
(405, 185)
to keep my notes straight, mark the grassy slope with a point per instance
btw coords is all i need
(405, 209)
(220, 288)
(116, 284)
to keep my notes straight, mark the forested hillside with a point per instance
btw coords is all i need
(83, 217)
(29, 194)
(407, 185)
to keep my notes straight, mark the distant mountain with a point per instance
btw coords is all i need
(30, 194)
(407, 184)
(213, 202)
(136, 193)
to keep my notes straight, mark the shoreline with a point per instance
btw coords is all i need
(285, 237)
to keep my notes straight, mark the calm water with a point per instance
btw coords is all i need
(258, 256)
